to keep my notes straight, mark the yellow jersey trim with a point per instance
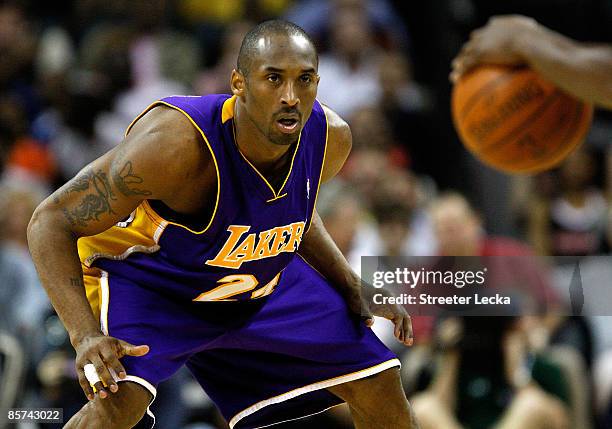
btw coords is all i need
(227, 111)
(93, 288)
(314, 207)
(276, 198)
(144, 112)
(121, 240)
(147, 206)
(297, 147)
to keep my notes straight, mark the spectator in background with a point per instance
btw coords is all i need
(22, 299)
(484, 376)
(349, 71)
(145, 60)
(393, 217)
(17, 50)
(602, 375)
(7, 140)
(407, 107)
(573, 221)
(402, 188)
(346, 219)
(214, 80)
(371, 129)
(459, 232)
(513, 269)
(28, 161)
(365, 169)
(375, 153)
(316, 17)
(202, 13)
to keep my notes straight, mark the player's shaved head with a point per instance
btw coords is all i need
(254, 44)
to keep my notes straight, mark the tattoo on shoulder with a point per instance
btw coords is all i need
(77, 281)
(127, 181)
(95, 202)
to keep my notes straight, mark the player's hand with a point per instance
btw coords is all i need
(495, 43)
(394, 312)
(103, 352)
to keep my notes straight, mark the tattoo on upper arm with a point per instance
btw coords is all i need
(95, 203)
(126, 180)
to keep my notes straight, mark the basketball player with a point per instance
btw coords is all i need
(200, 245)
(583, 70)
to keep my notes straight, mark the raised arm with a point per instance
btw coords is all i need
(583, 70)
(319, 249)
(100, 195)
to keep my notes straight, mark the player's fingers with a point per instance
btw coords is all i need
(93, 379)
(397, 331)
(458, 67)
(368, 319)
(112, 363)
(111, 358)
(132, 350)
(87, 390)
(456, 63)
(456, 72)
(454, 76)
(367, 316)
(467, 63)
(388, 313)
(99, 388)
(476, 34)
(467, 58)
(105, 376)
(408, 335)
(467, 49)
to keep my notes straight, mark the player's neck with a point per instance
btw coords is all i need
(255, 146)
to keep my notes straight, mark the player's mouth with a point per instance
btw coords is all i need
(288, 125)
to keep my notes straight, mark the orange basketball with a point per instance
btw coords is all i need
(514, 120)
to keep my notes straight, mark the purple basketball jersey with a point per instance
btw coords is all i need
(254, 232)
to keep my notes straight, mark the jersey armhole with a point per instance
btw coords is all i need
(212, 153)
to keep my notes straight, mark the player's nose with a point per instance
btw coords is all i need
(289, 95)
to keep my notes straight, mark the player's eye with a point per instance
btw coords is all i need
(306, 78)
(274, 78)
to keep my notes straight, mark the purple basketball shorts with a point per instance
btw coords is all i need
(263, 361)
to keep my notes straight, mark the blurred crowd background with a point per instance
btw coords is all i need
(73, 74)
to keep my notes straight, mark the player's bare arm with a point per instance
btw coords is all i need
(100, 195)
(583, 70)
(319, 249)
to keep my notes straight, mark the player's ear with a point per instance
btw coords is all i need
(237, 83)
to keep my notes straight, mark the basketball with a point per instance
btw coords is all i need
(515, 121)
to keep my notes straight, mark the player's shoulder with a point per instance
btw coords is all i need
(179, 118)
(339, 143)
(334, 120)
(163, 124)
(166, 137)
(339, 132)
(202, 104)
